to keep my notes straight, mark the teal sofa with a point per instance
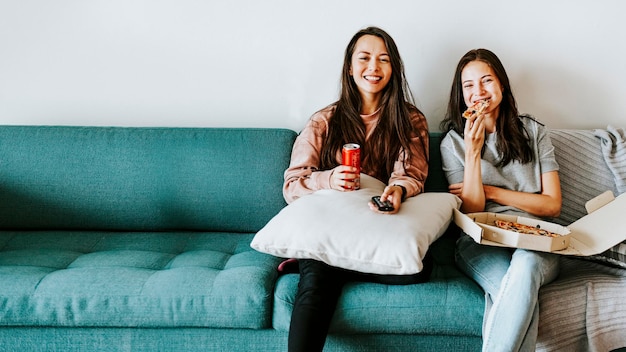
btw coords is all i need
(138, 239)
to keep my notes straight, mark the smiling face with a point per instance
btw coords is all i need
(480, 82)
(370, 66)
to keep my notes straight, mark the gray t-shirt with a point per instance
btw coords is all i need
(514, 176)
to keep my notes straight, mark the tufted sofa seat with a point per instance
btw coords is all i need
(119, 279)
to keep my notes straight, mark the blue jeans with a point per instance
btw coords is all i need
(511, 279)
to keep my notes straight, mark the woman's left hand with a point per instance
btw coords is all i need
(393, 194)
(456, 189)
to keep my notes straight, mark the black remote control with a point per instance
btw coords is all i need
(382, 206)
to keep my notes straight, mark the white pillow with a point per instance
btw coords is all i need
(338, 228)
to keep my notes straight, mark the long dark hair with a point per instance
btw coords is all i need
(513, 142)
(394, 129)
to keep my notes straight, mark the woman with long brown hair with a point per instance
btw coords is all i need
(497, 160)
(375, 110)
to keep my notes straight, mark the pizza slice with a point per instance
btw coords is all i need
(476, 109)
(525, 229)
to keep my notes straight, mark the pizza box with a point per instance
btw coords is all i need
(591, 234)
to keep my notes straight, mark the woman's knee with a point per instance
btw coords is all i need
(318, 282)
(545, 264)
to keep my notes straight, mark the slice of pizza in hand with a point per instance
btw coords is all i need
(473, 111)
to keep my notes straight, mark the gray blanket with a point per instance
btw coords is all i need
(585, 308)
(613, 144)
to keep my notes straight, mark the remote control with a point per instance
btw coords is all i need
(382, 206)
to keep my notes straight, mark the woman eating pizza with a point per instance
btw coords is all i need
(497, 160)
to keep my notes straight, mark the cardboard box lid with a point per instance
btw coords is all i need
(591, 234)
(602, 229)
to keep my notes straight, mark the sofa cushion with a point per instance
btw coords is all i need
(582, 171)
(141, 179)
(584, 310)
(449, 303)
(339, 229)
(117, 279)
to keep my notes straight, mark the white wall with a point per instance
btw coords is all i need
(273, 63)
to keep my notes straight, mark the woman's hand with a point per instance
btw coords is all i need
(343, 178)
(473, 196)
(474, 134)
(392, 194)
(456, 189)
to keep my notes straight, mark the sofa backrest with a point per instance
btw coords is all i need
(140, 179)
(436, 181)
(149, 179)
(583, 171)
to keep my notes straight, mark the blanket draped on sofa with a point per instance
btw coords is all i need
(585, 309)
(613, 142)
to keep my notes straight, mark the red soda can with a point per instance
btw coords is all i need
(351, 156)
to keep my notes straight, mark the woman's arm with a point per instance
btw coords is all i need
(412, 175)
(303, 175)
(471, 191)
(545, 204)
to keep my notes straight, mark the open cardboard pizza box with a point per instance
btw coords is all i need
(592, 234)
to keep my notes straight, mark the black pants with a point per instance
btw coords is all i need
(318, 292)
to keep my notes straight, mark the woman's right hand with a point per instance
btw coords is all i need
(471, 191)
(343, 178)
(474, 134)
